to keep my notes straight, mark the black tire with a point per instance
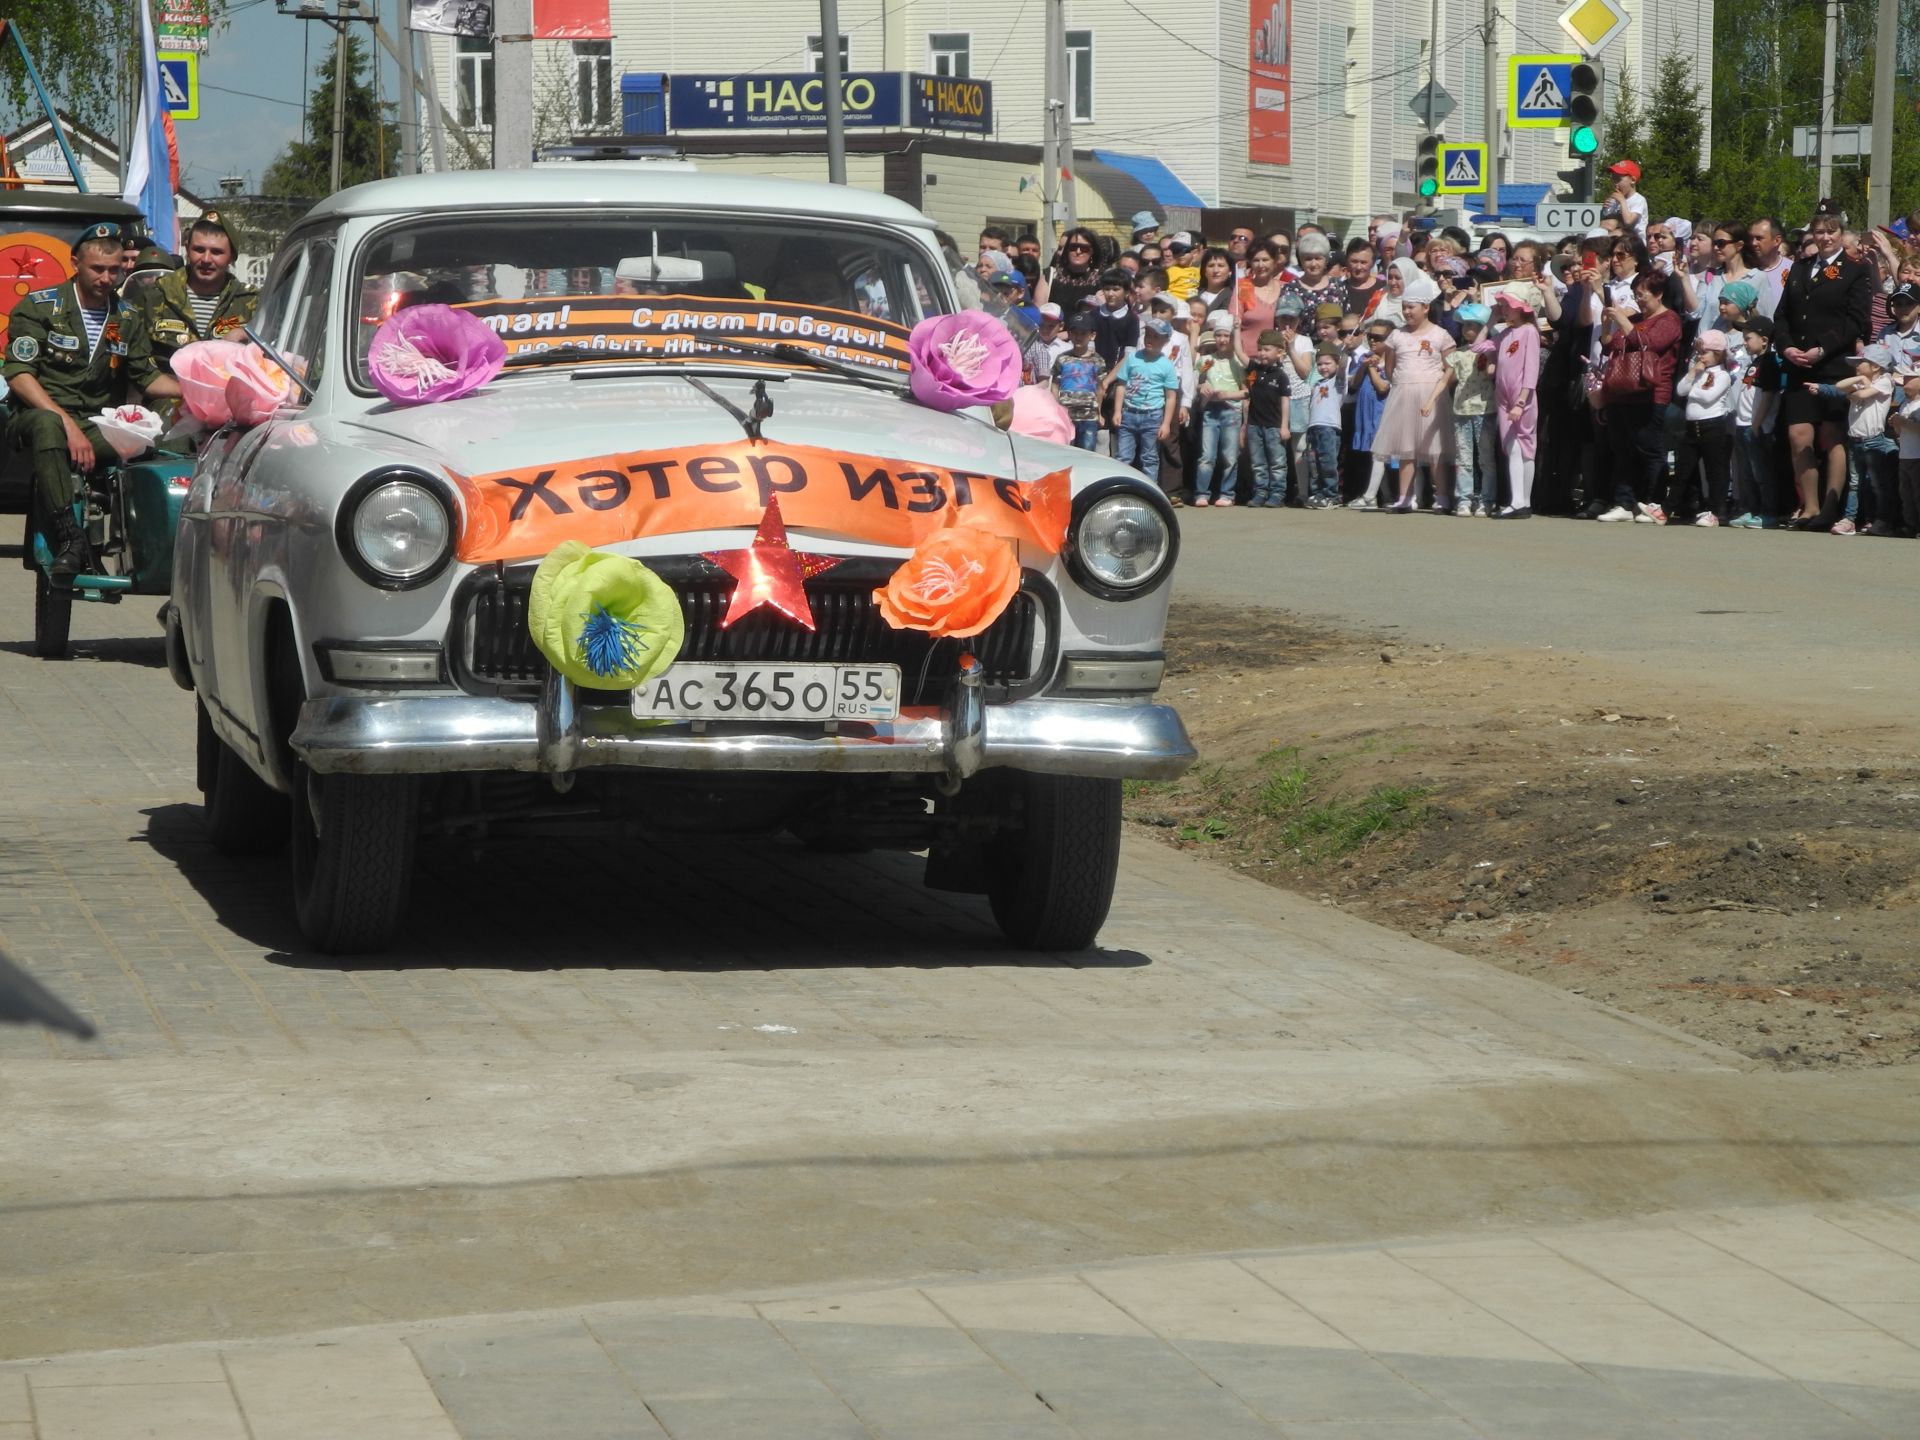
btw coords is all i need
(1050, 881)
(352, 841)
(52, 618)
(244, 815)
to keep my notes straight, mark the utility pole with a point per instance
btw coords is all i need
(1826, 99)
(409, 106)
(339, 92)
(1880, 167)
(1049, 142)
(1063, 115)
(835, 96)
(1496, 162)
(513, 85)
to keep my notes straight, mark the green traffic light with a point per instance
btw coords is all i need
(1429, 189)
(1585, 142)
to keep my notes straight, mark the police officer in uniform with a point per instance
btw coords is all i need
(66, 359)
(202, 301)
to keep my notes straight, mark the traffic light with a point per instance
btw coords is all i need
(1584, 104)
(1426, 166)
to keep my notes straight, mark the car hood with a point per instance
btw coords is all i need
(532, 421)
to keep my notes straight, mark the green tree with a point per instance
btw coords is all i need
(87, 53)
(370, 141)
(1623, 134)
(1669, 153)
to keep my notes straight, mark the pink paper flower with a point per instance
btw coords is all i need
(257, 387)
(961, 360)
(203, 369)
(427, 353)
(1037, 413)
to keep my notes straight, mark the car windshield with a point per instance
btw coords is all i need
(607, 285)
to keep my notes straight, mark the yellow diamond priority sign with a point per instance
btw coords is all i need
(1594, 24)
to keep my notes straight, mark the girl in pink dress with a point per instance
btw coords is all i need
(1417, 426)
(1516, 399)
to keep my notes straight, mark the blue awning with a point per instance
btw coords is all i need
(1518, 202)
(1162, 184)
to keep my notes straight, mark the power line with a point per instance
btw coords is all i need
(1012, 30)
(1294, 97)
(251, 95)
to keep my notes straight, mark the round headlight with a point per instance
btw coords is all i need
(401, 530)
(1123, 541)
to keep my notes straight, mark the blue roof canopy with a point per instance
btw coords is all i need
(1162, 184)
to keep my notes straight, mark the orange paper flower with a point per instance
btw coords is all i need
(956, 582)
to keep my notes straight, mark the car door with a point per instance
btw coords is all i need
(243, 536)
(193, 564)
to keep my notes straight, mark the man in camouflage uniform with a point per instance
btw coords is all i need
(65, 360)
(202, 301)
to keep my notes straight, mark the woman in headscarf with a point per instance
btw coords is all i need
(1400, 274)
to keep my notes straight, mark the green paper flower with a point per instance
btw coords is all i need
(603, 621)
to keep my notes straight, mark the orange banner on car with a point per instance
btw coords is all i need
(517, 514)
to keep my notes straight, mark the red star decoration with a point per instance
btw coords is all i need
(771, 572)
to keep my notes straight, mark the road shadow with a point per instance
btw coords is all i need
(148, 652)
(572, 904)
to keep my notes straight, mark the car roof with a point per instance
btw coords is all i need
(612, 183)
(64, 205)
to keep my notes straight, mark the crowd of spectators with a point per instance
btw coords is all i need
(1651, 371)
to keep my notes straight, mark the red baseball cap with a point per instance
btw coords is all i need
(1628, 168)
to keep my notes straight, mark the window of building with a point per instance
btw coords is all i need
(1080, 74)
(817, 55)
(593, 84)
(473, 81)
(950, 55)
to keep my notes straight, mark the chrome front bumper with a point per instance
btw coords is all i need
(437, 734)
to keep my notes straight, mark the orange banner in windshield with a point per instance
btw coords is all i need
(518, 514)
(624, 326)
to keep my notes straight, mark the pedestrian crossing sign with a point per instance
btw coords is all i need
(1463, 169)
(180, 84)
(1538, 87)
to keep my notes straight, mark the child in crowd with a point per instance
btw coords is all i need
(1296, 353)
(1049, 343)
(1323, 428)
(1269, 421)
(1149, 387)
(1117, 324)
(1417, 428)
(1077, 380)
(1476, 483)
(1368, 406)
(1869, 395)
(1706, 434)
(1179, 349)
(1737, 301)
(1222, 393)
(1902, 334)
(1761, 381)
(1516, 400)
(1906, 425)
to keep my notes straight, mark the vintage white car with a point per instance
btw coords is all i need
(351, 582)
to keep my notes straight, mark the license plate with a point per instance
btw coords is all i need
(702, 691)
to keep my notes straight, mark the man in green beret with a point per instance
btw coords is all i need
(65, 360)
(202, 301)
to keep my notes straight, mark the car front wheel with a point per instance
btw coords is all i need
(1050, 880)
(353, 839)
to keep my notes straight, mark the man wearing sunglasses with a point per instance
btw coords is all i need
(1238, 244)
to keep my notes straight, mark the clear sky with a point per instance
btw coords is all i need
(251, 85)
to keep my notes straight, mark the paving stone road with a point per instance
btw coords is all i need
(924, 1187)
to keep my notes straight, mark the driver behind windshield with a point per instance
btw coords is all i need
(656, 275)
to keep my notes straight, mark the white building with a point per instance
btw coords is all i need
(1169, 79)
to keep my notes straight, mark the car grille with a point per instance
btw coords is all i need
(494, 652)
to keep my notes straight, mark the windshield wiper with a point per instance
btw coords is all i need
(566, 350)
(883, 376)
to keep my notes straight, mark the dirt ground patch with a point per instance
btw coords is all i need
(1752, 878)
